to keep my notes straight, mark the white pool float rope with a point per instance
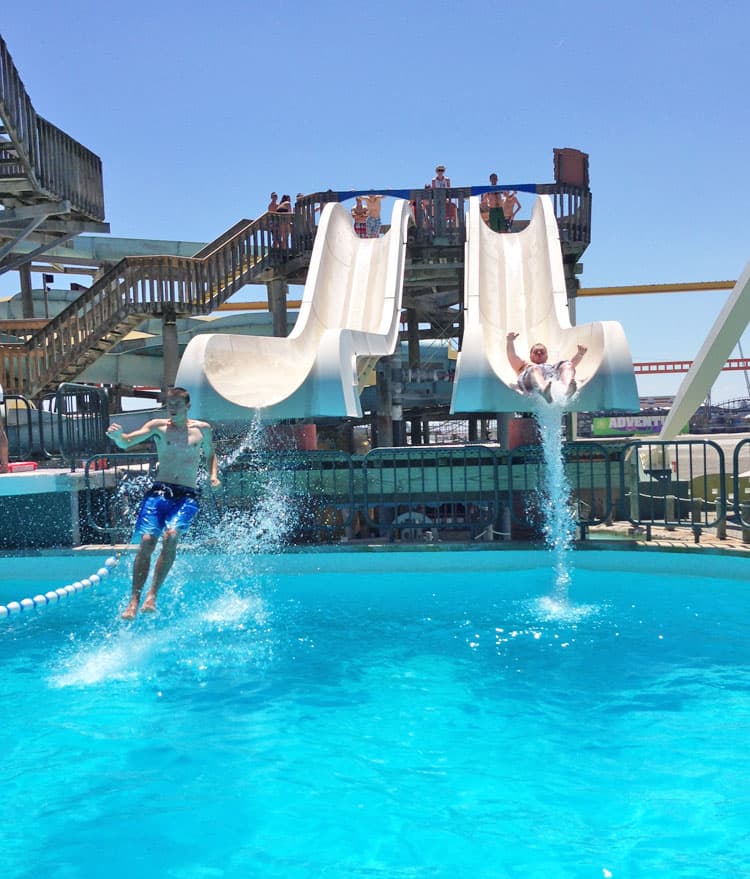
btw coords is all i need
(27, 604)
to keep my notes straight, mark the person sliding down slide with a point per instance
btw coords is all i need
(536, 375)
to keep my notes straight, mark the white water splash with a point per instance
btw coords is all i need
(123, 656)
(558, 519)
(253, 438)
(552, 608)
(216, 588)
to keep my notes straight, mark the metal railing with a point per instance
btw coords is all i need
(317, 487)
(52, 160)
(468, 492)
(677, 484)
(114, 488)
(740, 505)
(589, 470)
(69, 424)
(410, 491)
(82, 420)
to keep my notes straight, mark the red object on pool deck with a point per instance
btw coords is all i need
(22, 466)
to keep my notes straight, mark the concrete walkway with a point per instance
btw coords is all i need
(624, 533)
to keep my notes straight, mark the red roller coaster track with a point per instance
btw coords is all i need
(667, 367)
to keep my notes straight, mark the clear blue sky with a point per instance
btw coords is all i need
(198, 110)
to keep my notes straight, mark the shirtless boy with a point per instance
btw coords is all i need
(537, 375)
(492, 204)
(172, 502)
(511, 206)
(373, 215)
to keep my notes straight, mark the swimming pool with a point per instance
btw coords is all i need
(381, 714)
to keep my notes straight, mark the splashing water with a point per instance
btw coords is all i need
(253, 438)
(238, 529)
(257, 526)
(558, 520)
(219, 620)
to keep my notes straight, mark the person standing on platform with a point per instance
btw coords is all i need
(440, 181)
(373, 215)
(511, 206)
(359, 215)
(492, 203)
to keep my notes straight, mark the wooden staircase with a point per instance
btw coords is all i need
(141, 287)
(50, 185)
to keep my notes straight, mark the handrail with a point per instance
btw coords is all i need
(135, 288)
(669, 483)
(480, 490)
(53, 161)
(140, 286)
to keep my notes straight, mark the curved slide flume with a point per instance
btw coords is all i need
(348, 319)
(515, 283)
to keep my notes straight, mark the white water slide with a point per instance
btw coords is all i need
(348, 319)
(515, 283)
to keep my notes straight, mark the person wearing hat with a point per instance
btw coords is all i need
(440, 181)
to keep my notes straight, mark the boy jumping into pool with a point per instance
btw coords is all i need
(538, 375)
(172, 502)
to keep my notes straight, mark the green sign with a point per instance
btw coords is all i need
(627, 425)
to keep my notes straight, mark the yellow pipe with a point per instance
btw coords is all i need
(686, 287)
(657, 288)
(292, 304)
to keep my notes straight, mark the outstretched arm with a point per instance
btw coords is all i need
(515, 361)
(126, 440)
(578, 356)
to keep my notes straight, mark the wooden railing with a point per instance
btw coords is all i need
(251, 251)
(440, 214)
(134, 289)
(572, 206)
(53, 162)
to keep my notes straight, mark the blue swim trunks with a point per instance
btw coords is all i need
(166, 506)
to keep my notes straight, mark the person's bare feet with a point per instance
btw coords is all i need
(131, 610)
(149, 605)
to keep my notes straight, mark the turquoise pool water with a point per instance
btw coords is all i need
(382, 714)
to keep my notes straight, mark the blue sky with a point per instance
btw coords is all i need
(199, 110)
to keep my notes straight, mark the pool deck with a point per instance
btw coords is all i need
(624, 534)
(618, 536)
